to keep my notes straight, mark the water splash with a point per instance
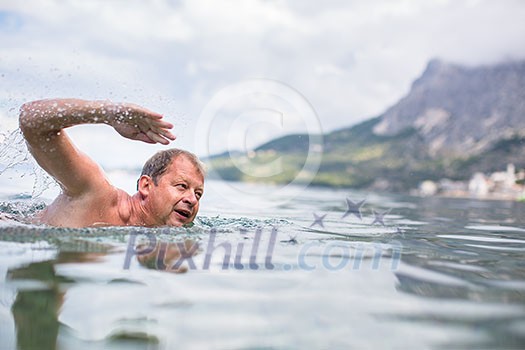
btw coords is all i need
(21, 208)
(11, 152)
(225, 223)
(14, 157)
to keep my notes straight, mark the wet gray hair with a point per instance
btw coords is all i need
(160, 161)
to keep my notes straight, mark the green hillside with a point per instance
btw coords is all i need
(357, 158)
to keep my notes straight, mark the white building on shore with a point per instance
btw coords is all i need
(478, 185)
(506, 185)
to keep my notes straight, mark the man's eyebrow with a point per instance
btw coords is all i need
(189, 182)
(178, 178)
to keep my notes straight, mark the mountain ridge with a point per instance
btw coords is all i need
(454, 121)
(461, 109)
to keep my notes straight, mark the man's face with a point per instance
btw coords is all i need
(174, 201)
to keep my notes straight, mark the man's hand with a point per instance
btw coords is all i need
(137, 123)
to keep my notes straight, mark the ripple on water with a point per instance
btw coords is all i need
(483, 238)
(495, 228)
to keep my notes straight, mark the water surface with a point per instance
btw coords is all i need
(431, 273)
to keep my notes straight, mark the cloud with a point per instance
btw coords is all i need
(350, 60)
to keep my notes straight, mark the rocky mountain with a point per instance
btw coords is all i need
(455, 121)
(461, 110)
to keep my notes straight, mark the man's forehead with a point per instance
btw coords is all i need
(184, 169)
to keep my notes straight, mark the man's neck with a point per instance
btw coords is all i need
(134, 213)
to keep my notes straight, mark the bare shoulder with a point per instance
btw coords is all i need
(124, 206)
(101, 207)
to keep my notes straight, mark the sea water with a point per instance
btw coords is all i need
(275, 268)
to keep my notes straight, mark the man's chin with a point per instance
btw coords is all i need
(175, 223)
(178, 220)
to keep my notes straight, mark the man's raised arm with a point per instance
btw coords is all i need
(43, 123)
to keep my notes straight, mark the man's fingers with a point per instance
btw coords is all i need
(166, 124)
(162, 124)
(155, 117)
(166, 133)
(151, 127)
(162, 128)
(156, 137)
(144, 138)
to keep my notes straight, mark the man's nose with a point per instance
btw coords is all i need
(190, 198)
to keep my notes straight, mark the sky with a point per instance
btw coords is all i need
(234, 74)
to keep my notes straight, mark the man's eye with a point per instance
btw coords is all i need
(198, 195)
(184, 186)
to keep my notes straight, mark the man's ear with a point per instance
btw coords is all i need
(145, 184)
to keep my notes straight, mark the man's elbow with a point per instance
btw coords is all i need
(27, 120)
(24, 120)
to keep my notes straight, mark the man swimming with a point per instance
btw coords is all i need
(168, 190)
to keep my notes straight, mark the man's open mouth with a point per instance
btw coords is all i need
(183, 212)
